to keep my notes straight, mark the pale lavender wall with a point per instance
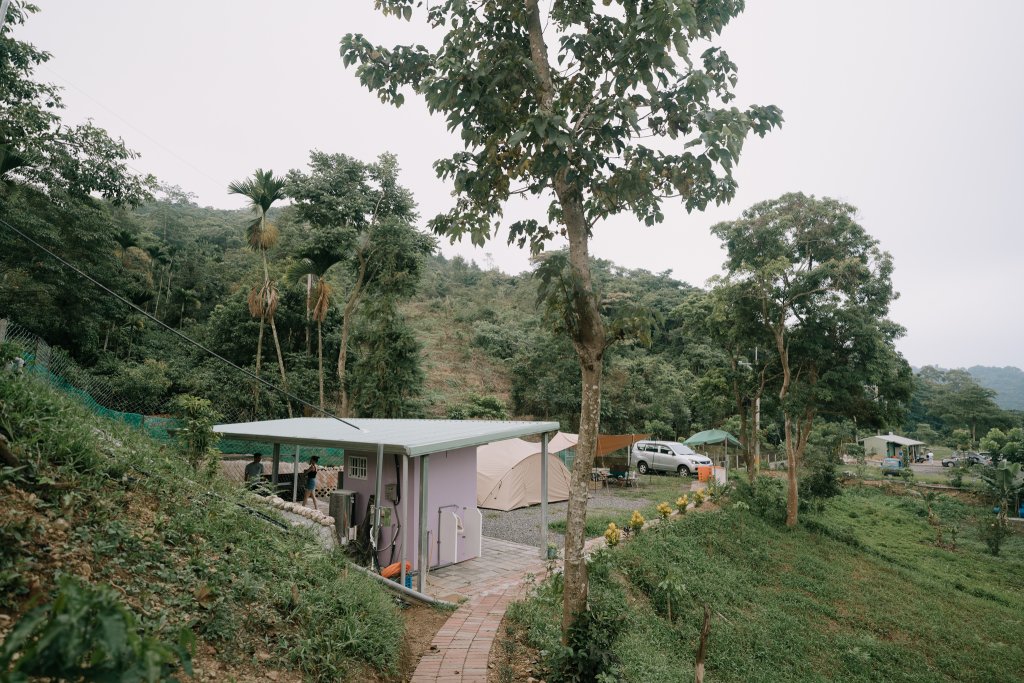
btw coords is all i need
(452, 481)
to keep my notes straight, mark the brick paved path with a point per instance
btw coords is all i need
(460, 649)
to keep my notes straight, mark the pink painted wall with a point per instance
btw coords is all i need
(452, 481)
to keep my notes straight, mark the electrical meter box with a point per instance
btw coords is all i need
(391, 493)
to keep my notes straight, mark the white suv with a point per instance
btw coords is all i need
(665, 456)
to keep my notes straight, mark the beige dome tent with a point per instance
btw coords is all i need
(508, 473)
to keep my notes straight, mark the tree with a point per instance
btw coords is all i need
(314, 266)
(820, 287)
(573, 133)
(262, 190)
(365, 223)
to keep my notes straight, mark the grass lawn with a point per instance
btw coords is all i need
(858, 592)
(653, 489)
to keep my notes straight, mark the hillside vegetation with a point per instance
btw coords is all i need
(862, 591)
(1008, 383)
(97, 504)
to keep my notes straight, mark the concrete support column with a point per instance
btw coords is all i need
(424, 559)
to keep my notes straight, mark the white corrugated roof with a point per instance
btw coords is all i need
(895, 438)
(408, 437)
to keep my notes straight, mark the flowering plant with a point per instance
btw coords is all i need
(612, 535)
(681, 503)
(698, 499)
(636, 522)
(664, 509)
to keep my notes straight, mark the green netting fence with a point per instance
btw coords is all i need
(54, 366)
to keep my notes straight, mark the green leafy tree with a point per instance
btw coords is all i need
(1003, 484)
(262, 190)
(574, 130)
(195, 436)
(362, 223)
(820, 287)
(386, 373)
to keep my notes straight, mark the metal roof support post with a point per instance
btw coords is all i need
(295, 475)
(377, 490)
(404, 521)
(424, 550)
(544, 494)
(276, 467)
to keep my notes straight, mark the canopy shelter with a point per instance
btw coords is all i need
(606, 443)
(711, 437)
(446, 447)
(508, 474)
(714, 437)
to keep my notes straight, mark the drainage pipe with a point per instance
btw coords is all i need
(409, 592)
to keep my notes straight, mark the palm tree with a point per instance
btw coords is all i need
(262, 190)
(314, 269)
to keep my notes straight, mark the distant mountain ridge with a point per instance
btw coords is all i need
(1007, 382)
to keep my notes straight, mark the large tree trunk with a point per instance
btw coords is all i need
(792, 492)
(588, 338)
(280, 363)
(589, 341)
(320, 359)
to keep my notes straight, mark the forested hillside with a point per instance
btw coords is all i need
(1008, 383)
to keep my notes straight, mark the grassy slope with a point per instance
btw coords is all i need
(181, 553)
(866, 596)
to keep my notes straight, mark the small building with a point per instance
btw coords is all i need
(422, 472)
(890, 446)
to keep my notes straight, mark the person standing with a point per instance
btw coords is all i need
(311, 473)
(254, 470)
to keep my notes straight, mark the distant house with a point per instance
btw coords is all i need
(890, 446)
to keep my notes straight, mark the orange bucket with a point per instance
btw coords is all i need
(703, 472)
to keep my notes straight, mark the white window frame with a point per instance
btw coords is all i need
(356, 466)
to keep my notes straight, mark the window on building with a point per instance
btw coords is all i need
(356, 467)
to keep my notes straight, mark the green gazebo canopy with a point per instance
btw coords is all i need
(710, 437)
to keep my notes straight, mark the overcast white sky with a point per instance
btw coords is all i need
(910, 110)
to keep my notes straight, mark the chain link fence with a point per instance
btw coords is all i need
(99, 393)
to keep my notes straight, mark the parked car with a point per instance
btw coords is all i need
(665, 456)
(979, 459)
(951, 461)
(892, 467)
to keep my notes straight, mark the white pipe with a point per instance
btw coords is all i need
(423, 597)
(295, 475)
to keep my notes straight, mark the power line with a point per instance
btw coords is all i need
(170, 329)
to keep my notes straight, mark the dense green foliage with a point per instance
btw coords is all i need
(99, 501)
(859, 592)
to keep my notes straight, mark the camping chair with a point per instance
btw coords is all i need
(631, 479)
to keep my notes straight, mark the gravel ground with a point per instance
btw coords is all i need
(523, 525)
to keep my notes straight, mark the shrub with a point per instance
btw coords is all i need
(196, 438)
(87, 634)
(681, 503)
(664, 510)
(766, 498)
(698, 499)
